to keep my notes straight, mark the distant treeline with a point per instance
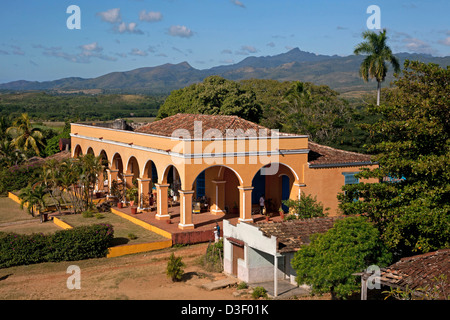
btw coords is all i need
(51, 107)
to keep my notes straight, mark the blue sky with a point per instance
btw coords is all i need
(35, 43)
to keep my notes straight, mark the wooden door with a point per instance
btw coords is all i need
(238, 253)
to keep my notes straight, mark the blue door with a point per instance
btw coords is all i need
(284, 191)
(259, 187)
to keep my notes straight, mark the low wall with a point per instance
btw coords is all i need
(13, 197)
(192, 237)
(61, 223)
(136, 248)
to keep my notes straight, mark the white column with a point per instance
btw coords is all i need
(275, 278)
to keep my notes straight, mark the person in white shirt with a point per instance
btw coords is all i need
(261, 204)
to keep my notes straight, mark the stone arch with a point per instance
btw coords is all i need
(77, 151)
(117, 164)
(90, 151)
(220, 184)
(171, 176)
(132, 171)
(274, 186)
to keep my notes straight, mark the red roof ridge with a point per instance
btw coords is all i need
(335, 149)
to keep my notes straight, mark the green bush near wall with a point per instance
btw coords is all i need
(79, 243)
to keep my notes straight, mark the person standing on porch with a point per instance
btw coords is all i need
(216, 233)
(261, 204)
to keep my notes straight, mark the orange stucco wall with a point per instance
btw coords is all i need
(326, 183)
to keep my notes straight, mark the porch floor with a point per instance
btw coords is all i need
(203, 222)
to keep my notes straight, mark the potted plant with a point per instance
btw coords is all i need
(132, 195)
(281, 211)
(235, 209)
(133, 210)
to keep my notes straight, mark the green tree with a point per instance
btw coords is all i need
(25, 137)
(305, 108)
(9, 154)
(378, 52)
(33, 197)
(306, 207)
(327, 263)
(410, 205)
(216, 96)
(91, 166)
(175, 267)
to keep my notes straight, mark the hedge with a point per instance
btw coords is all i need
(79, 243)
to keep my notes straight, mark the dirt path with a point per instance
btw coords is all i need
(140, 276)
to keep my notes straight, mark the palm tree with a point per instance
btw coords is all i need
(374, 66)
(33, 198)
(9, 154)
(24, 135)
(91, 167)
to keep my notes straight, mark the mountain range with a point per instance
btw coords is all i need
(340, 73)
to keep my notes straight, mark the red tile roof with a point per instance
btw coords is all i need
(318, 155)
(293, 234)
(419, 272)
(324, 155)
(166, 126)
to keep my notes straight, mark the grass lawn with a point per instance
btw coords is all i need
(13, 219)
(10, 211)
(122, 228)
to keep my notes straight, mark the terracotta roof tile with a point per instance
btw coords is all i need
(419, 271)
(323, 155)
(293, 234)
(166, 126)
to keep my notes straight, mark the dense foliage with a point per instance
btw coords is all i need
(411, 205)
(18, 177)
(79, 243)
(44, 106)
(215, 95)
(305, 207)
(327, 263)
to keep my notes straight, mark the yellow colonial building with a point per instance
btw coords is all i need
(224, 162)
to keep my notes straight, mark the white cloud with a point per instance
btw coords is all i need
(150, 16)
(246, 50)
(91, 47)
(418, 46)
(137, 52)
(445, 41)
(180, 31)
(128, 28)
(111, 15)
(238, 3)
(88, 51)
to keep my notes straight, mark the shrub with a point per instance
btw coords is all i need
(259, 292)
(306, 207)
(242, 285)
(175, 267)
(87, 214)
(98, 215)
(328, 263)
(79, 243)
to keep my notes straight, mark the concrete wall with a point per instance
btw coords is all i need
(259, 251)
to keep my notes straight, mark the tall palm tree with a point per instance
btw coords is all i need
(24, 135)
(374, 65)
